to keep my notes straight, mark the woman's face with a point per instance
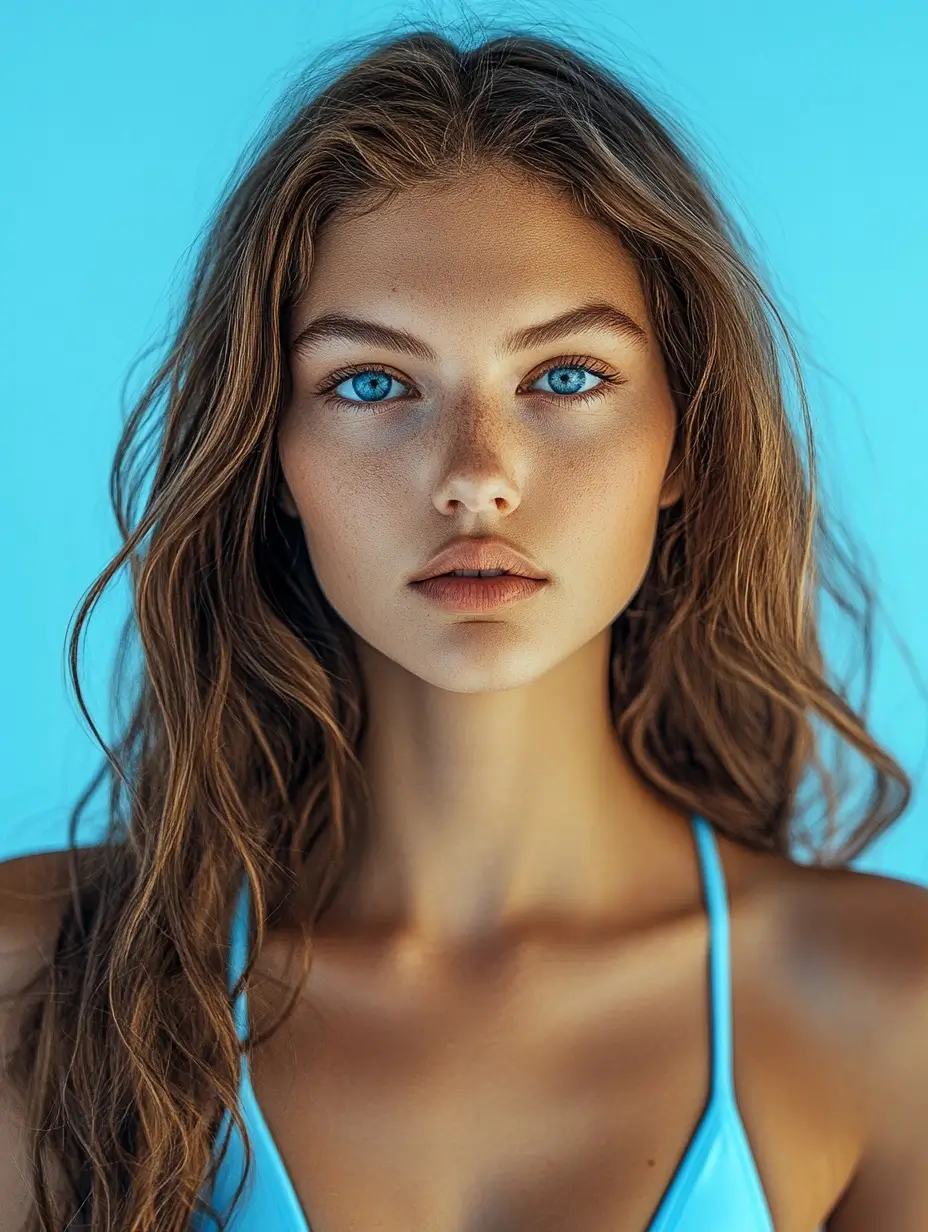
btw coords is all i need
(467, 437)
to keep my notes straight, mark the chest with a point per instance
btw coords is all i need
(560, 1091)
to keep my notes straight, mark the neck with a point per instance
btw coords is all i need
(494, 811)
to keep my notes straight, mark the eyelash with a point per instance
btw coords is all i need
(610, 379)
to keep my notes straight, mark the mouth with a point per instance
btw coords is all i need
(477, 591)
(474, 573)
(487, 557)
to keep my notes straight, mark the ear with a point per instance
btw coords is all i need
(672, 488)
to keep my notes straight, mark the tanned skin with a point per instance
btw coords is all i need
(506, 1022)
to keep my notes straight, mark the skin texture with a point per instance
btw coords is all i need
(505, 1023)
(500, 790)
(518, 864)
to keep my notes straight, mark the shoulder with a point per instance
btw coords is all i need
(848, 949)
(852, 948)
(888, 961)
(863, 934)
(33, 892)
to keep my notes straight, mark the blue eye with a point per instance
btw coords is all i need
(371, 383)
(567, 380)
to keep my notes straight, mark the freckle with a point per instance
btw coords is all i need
(650, 1163)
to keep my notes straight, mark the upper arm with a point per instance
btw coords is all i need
(889, 1190)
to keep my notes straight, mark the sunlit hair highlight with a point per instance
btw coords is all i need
(237, 755)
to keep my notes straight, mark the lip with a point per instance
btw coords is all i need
(478, 595)
(489, 552)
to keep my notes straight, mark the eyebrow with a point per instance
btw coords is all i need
(575, 320)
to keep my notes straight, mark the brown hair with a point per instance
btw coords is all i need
(239, 757)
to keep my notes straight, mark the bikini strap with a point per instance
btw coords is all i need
(238, 954)
(716, 900)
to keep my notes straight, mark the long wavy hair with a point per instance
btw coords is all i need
(238, 757)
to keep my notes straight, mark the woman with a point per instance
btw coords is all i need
(560, 968)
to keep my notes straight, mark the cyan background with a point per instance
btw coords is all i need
(120, 125)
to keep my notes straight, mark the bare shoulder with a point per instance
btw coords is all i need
(848, 948)
(34, 890)
(28, 882)
(851, 949)
(884, 980)
(865, 931)
(864, 934)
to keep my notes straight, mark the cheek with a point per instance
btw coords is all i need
(618, 481)
(341, 505)
(611, 505)
(591, 507)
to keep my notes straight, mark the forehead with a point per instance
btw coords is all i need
(476, 239)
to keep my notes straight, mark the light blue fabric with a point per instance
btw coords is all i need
(716, 1185)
